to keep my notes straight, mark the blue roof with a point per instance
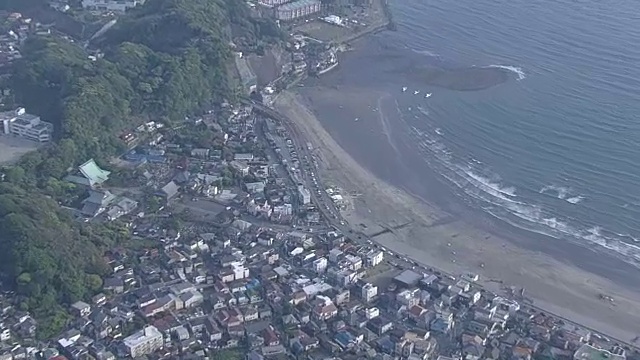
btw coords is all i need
(343, 338)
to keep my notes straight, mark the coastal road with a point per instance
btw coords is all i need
(328, 210)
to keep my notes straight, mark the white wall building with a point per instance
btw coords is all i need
(272, 2)
(374, 257)
(320, 265)
(371, 313)
(297, 9)
(111, 5)
(143, 342)
(27, 126)
(304, 195)
(408, 297)
(369, 291)
(239, 271)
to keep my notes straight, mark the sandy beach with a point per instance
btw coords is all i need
(559, 283)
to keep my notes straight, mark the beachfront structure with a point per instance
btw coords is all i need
(304, 194)
(297, 9)
(144, 342)
(273, 2)
(26, 126)
(111, 5)
(588, 352)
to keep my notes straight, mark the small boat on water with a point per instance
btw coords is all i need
(404, 88)
(428, 95)
(416, 92)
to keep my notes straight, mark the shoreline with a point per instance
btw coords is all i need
(557, 286)
(386, 24)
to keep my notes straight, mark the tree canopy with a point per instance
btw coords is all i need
(163, 61)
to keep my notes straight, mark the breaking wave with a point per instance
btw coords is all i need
(575, 199)
(514, 69)
(426, 53)
(559, 190)
(562, 193)
(488, 191)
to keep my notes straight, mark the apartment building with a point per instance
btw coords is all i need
(297, 9)
(111, 5)
(272, 2)
(27, 126)
(143, 342)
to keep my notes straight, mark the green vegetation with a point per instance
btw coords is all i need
(227, 355)
(163, 61)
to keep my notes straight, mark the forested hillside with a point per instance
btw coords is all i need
(163, 61)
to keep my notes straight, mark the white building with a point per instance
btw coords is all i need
(369, 291)
(272, 2)
(374, 257)
(111, 5)
(320, 265)
(304, 194)
(27, 126)
(408, 297)
(371, 313)
(143, 342)
(355, 262)
(297, 9)
(282, 210)
(239, 271)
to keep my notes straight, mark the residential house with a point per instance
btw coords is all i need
(380, 325)
(170, 190)
(80, 309)
(97, 202)
(122, 207)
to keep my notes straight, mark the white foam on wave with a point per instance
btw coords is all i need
(426, 53)
(575, 199)
(494, 185)
(560, 191)
(502, 202)
(514, 69)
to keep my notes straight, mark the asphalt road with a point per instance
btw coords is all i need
(333, 215)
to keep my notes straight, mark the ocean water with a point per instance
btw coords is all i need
(534, 113)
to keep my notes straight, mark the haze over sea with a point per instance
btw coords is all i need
(534, 116)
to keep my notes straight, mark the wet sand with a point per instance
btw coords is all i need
(562, 278)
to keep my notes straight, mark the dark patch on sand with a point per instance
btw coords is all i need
(461, 79)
